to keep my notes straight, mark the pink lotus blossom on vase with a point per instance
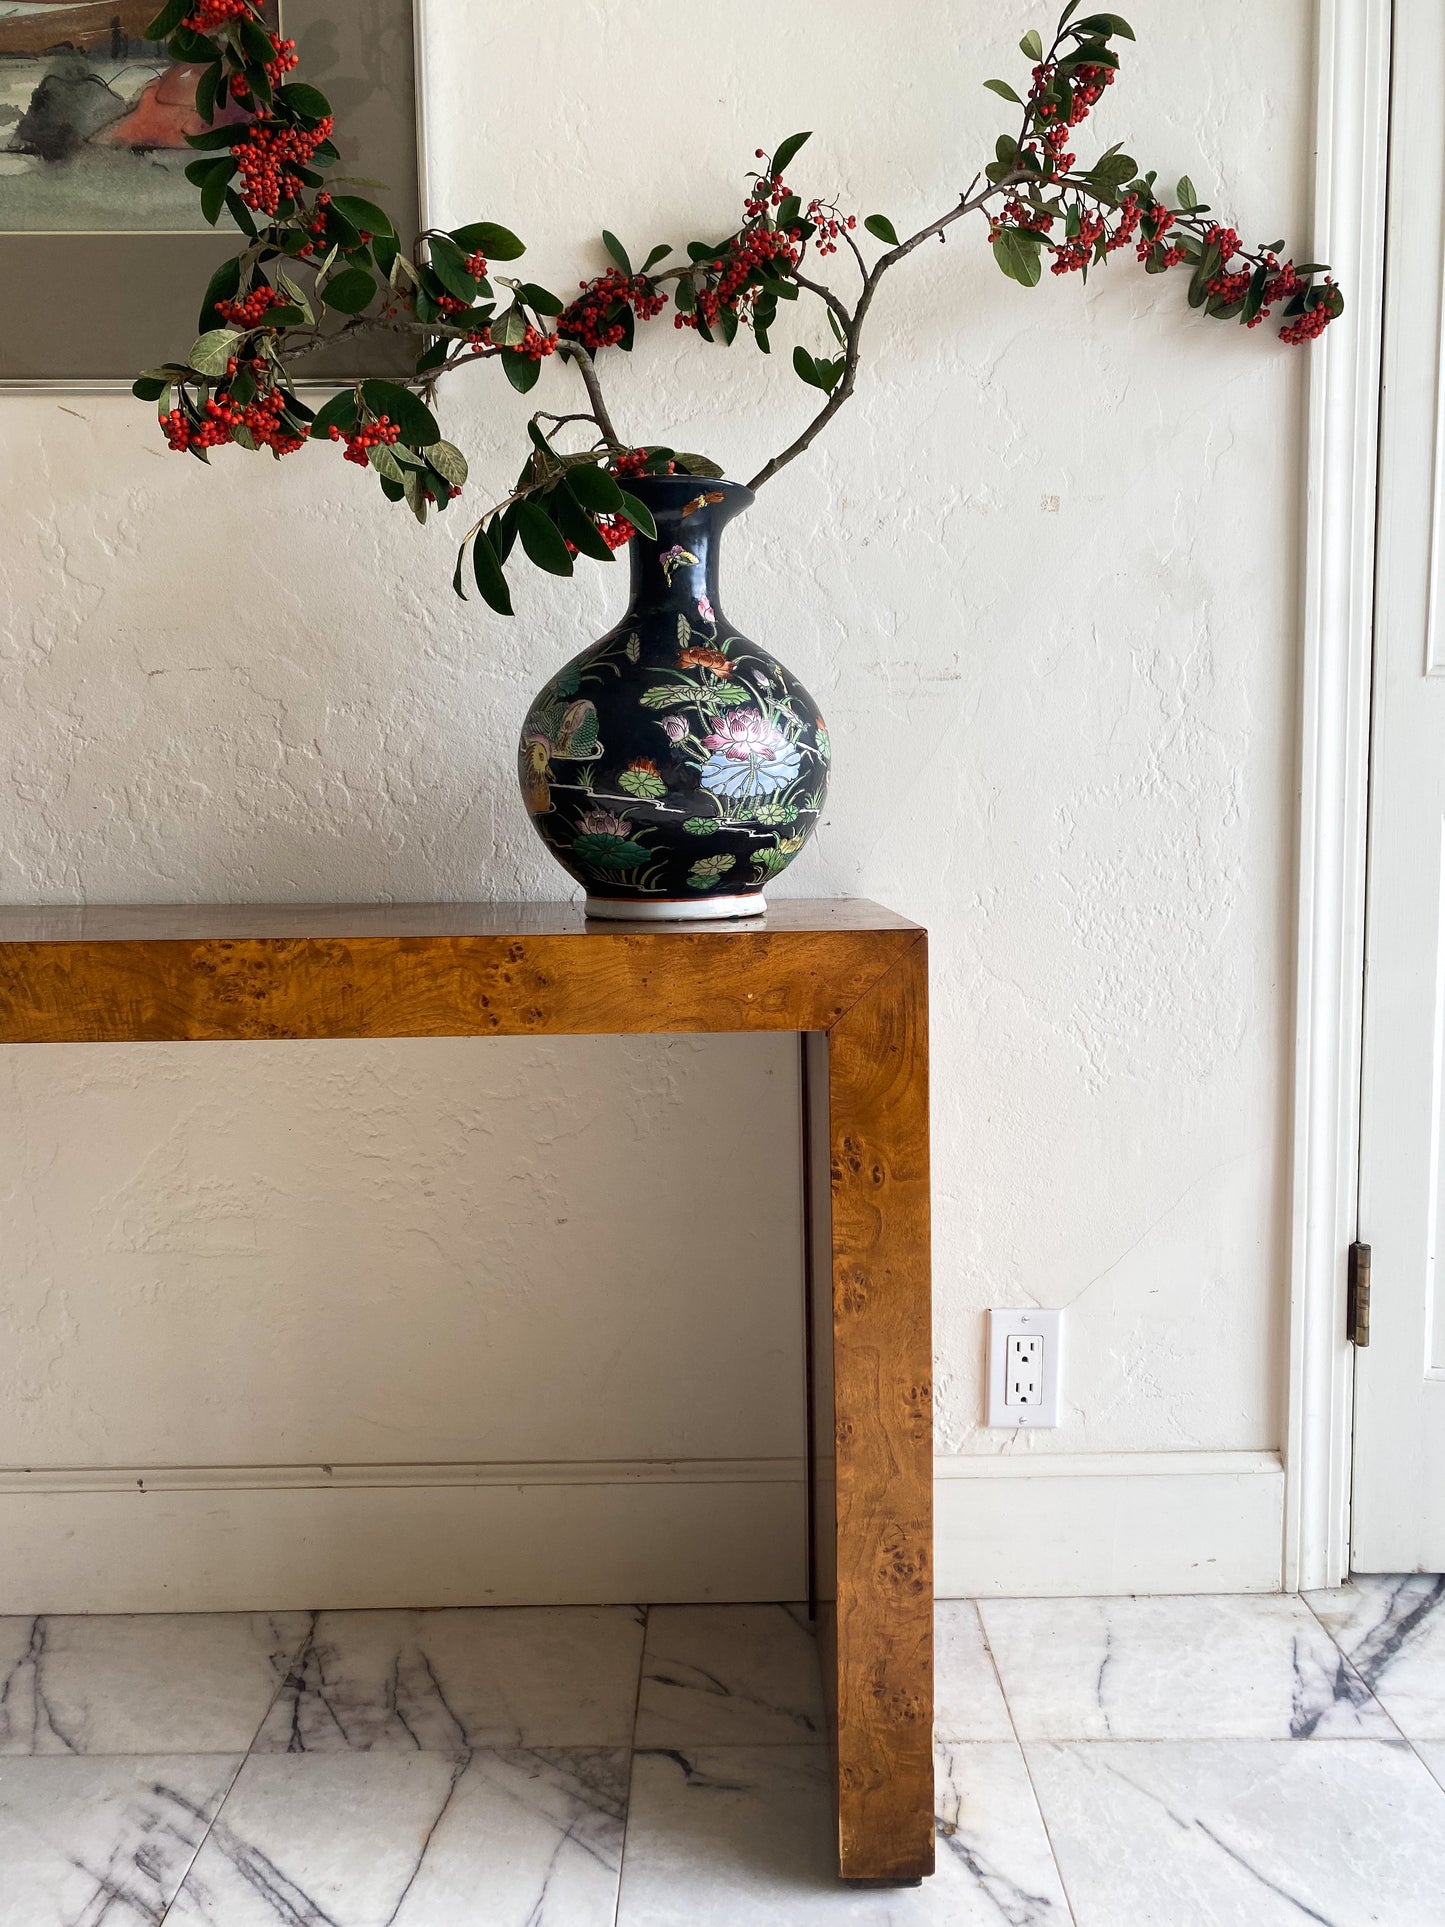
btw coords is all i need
(704, 609)
(743, 733)
(604, 823)
(674, 729)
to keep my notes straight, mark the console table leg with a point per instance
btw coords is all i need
(871, 1328)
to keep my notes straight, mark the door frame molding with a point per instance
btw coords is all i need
(1352, 120)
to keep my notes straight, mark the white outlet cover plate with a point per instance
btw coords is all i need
(1003, 1325)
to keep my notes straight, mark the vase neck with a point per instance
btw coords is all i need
(678, 569)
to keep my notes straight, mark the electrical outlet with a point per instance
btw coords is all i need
(1024, 1360)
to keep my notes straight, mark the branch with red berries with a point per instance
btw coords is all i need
(321, 266)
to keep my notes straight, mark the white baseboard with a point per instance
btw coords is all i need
(228, 1539)
(1047, 1525)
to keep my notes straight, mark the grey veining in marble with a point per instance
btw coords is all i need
(968, 1703)
(1220, 1667)
(1392, 1629)
(451, 1680)
(743, 1837)
(513, 1838)
(86, 1842)
(1245, 1833)
(729, 1676)
(141, 1683)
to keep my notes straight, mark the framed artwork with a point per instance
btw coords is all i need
(104, 253)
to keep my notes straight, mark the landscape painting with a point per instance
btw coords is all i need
(93, 119)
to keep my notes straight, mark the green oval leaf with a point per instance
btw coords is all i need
(542, 540)
(1105, 23)
(595, 489)
(487, 573)
(578, 527)
(309, 102)
(619, 253)
(342, 411)
(363, 214)
(450, 267)
(521, 371)
(1018, 256)
(486, 237)
(1032, 46)
(213, 350)
(168, 19)
(787, 149)
(222, 286)
(349, 292)
(880, 225)
(639, 515)
(449, 462)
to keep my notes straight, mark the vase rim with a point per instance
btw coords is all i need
(674, 491)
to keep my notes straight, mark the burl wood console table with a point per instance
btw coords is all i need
(850, 977)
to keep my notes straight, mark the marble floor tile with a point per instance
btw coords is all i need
(141, 1683)
(743, 1837)
(1224, 1667)
(1392, 1631)
(514, 1838)
(1432, 1752)
(449, 1680)
(968, 1704)
(729, 1676)
(86, 1841)
(1244, 1833)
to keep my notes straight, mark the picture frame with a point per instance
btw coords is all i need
(88, 309)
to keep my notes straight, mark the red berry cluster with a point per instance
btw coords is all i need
(1078, 252)
(1086, 84)
(251, 311)
(1313, 322)
(283, 59)
(1155, 224)
(476, 266)
(748, 253)
(616, 531)
(769, 190)
(535, 346)
(829, 224)
(222, 416)
(633, 462)
(268, 156)
(207, 15)
(1017, 213)
(595, 317)
(381, 433)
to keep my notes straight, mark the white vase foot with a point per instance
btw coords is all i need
(676, 909)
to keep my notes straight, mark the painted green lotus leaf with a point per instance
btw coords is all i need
(707, 870)
(775, 813)
(642, 782)
(668, 695)
(609, 852)
(701, 825)
(567, 681)
(769, 862)
(728, 694)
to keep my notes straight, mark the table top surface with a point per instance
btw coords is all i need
(239, 922)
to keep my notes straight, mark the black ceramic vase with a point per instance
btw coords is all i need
(675, 768)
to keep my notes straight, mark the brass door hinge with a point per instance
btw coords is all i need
(1357, 1313)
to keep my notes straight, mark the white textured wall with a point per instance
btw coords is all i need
(1042, 578)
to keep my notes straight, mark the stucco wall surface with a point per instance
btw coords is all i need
(1042, 579)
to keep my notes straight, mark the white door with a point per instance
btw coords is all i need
(1399, 1470)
